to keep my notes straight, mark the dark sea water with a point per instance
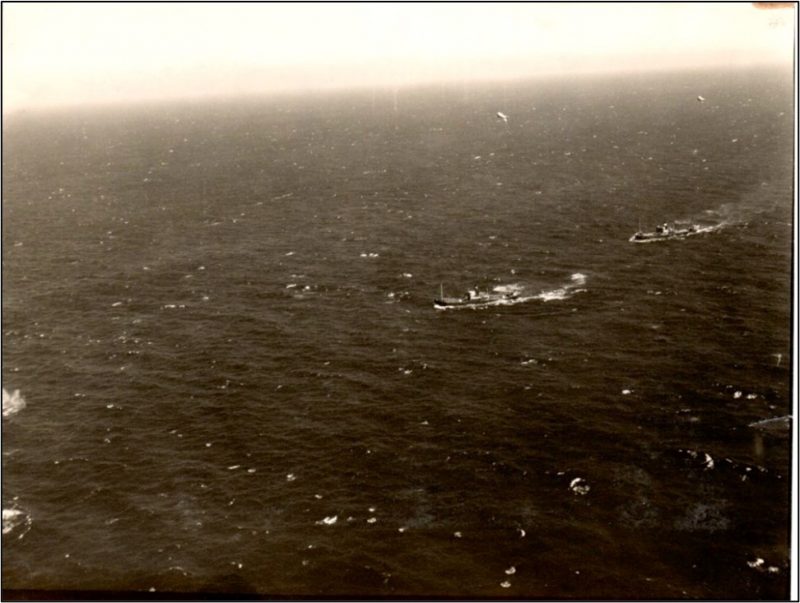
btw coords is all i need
(219, 319)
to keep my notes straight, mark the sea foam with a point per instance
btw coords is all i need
(12, 403)
(15, 520)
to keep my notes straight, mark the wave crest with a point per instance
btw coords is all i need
(12, 403)
(15, 520)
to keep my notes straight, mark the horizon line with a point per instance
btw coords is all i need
(344, 88)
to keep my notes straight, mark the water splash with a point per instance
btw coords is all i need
(16, 520)
(577, 281)
(12, 403)
(773, 423)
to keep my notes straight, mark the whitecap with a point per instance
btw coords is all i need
(783, 422)
(15, 518)
(554, 295)
(11, 518)
(12, 403)
(579, 486)
(578, 279)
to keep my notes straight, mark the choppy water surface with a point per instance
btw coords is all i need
(231, 376)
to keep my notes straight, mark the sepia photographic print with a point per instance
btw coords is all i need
(399, 301)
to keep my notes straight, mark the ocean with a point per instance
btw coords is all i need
(224, 373)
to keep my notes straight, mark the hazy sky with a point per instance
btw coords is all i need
(76, 53)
